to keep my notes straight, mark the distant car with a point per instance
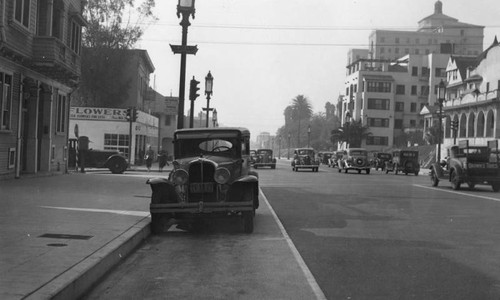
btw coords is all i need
(405, 161)
(110, 159)
(355, 159)
(264, 158)
(305, 158)
(380, 159)
(211, 178)
(324, 157)
(253, 156)
(469, 164)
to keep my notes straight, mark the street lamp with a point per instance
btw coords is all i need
(308, 135)
(441, 99)
(186, 8)
(209, 82)
(288, 156)
(214, 117)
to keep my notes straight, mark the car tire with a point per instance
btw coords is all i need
(340, 170)
(471, 185)
(117, 166)
(455, 183)
(495, 187)
(386, 171)
(345, 171)
(359, 171)
(434, 178)
(367, 171)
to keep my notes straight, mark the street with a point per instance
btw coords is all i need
(377, 236)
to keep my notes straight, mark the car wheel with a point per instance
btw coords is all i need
(345, 171)
(367, 171)
(117, 166)
(455, 183)
(471, 185)
(386, 171)
(340, 170)
(496, 187)
(359, 171)
(248, 221)
(416, 173)
(434, 178)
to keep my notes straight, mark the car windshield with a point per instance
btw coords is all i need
(264, 152)
(205, 147)
(305, 152)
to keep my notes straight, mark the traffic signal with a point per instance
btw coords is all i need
(134, 114)
(454, 125)
(193, 89)
(129, 114)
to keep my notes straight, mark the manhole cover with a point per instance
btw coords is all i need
(65, 236)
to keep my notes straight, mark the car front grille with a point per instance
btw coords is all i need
(202, 186)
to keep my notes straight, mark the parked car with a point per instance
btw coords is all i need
(405, 161)
(265, 158)
(305, 158)
(355, 159)
(469, 164)
(113, 160)
(211, 178)
(380, 159)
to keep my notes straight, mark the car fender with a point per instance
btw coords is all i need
(438, 169)
(163, 190)
(115, 156)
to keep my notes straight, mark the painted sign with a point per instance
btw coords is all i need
(98, 113)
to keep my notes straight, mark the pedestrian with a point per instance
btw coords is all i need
(162, 159)
(148, 157)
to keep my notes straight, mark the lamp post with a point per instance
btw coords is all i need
(441, 99)
(209, 81)
(186, 8)
(288, 156)
(279, 146)
(214, 118)
(308, 136)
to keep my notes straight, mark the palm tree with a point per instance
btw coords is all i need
(302, 109)
(352, 133)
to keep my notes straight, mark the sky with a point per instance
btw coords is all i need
(263, 53)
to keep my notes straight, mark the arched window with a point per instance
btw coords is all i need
(462, 127)
(480, 124)
(470, 124)
(490, 123)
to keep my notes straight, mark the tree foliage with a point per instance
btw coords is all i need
(351, 133)
(114, 26)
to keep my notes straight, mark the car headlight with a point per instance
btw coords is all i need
(222, 175)
(180, 177)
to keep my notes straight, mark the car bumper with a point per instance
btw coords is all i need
(201, 207)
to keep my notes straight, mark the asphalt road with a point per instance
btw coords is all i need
(377, 236)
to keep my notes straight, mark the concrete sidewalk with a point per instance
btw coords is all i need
(61, 234)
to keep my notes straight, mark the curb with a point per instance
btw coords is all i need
(74, 282)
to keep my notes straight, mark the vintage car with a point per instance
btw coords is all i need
(354, 159)
(469, 164)
(305, 158)
(324, 157)
(265, 159)
(211, 178)
(380, 159)
(113, 160)
(405, 161)
(253, 156)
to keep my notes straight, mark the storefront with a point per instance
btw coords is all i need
(109, 129)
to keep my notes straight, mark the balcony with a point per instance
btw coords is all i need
(55, 60)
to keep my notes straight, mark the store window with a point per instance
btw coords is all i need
(118, 142)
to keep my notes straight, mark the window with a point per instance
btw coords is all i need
(22, 12)
(425, 72)
(377, 140)
(407, 51)
(414, 71)
(400, 106)
(398, 124)
(382, 49)
(413, 123)
(5, 101)
(397, 40)
(382, 39)
(487, 87)
(62, 107)
(380, 104)
(400, 89)
(417, 41)
(413, 107)
(378, 87)
(417, 51)
(413, 89)
(424, 90)
(378, 122)
(440, 72)
(396, 50)
(168, 120)
(116, 142)
(12, 158)
(75, 38)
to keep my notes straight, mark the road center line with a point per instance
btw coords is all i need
(455, 192)
(307, 273)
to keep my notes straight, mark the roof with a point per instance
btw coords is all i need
(464, 62)
(485, 52)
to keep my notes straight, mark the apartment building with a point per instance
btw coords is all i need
(40, 44)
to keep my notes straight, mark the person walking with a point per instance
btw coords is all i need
(148, 157)
(162, 159)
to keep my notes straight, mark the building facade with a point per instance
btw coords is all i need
(40, 44)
